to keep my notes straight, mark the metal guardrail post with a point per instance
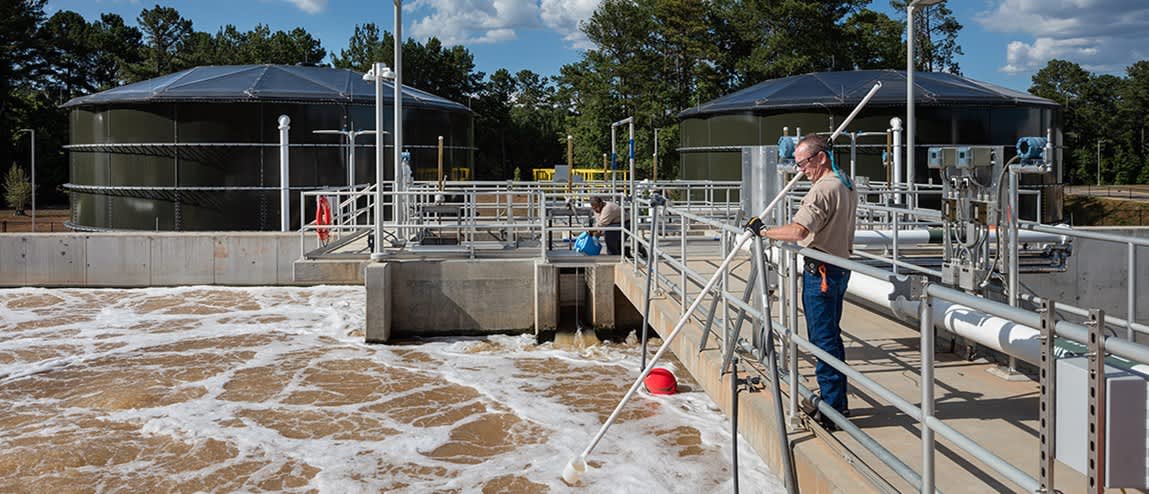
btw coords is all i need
(1097, 412)
(1047, 384)
(927, 385)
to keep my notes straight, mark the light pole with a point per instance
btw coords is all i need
(910, 123)
(1099, 162)
(32, 133)
(378, 72)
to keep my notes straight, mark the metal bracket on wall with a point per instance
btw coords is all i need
(1097, 413)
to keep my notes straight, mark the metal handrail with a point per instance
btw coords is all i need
(931, 291)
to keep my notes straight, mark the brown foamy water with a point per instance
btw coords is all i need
(271, 389)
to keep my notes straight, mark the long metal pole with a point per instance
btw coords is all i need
(910, 123)
(577, 465)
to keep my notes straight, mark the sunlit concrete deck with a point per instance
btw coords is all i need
(999, 414)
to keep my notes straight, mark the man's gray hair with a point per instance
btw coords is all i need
(597, 200)
(816, 143)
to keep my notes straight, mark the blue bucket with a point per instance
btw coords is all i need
(587, 244)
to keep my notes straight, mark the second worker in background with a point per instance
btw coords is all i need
(607, 214)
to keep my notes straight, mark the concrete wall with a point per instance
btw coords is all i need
(149, 259)
(453, 296)
(1098, 275)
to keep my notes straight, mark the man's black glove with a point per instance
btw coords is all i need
(755, 225)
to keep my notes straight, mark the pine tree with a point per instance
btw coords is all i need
(17, 189)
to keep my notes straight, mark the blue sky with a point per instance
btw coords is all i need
(1004, 41)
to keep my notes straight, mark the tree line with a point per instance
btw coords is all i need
(1103, 121)
(649, 59)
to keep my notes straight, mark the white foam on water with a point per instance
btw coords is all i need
(676, 443)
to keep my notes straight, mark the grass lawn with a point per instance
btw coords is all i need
(1100, 211)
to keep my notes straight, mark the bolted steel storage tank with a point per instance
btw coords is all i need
(950, 110)
(198, 149)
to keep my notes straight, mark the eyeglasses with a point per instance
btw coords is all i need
(802, 163)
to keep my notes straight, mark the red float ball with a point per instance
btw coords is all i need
(661, 382)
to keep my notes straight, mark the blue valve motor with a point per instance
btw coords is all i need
(786, 147)
(1031, 148)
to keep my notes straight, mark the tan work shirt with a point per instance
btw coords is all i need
(611, 214)
(829, 211)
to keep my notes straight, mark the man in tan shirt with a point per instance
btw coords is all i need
(825, 221)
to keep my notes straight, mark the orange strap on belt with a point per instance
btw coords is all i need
(822, 271)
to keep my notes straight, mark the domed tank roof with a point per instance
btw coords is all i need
(833, 90)
(261, 83)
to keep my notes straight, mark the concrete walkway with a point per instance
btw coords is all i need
(999, 414)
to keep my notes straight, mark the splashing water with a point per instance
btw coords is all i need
(253, 389)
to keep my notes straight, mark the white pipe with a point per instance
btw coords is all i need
(284, 175)
(924, 236)
(1000, 334)
(881, 238)
(896, 123)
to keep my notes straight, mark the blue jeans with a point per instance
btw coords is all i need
(823, 319)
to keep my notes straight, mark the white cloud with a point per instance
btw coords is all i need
(310, 6)
(1100, 35)
(493, 21)
(564, 17)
